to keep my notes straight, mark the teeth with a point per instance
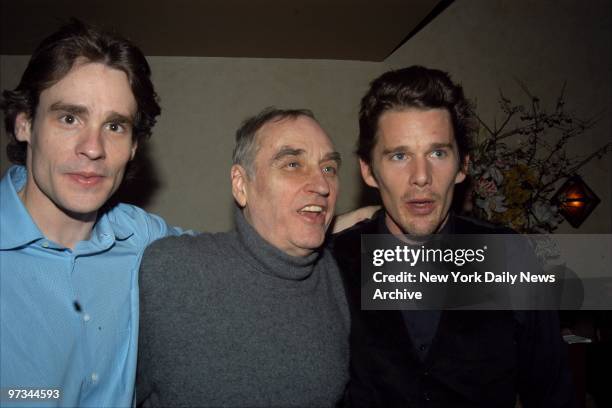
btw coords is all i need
(312, 208)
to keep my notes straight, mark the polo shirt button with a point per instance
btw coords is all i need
(425, 373)
(94, 377)
(45, 244)
(86, 317)
(426, 397)
(423, 347)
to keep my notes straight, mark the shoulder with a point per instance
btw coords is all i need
(175, 261)
(187, 247)
(350, 238)
(166, 246)
(129, 213)
(326, 261)
(145, 226)
(345, 248)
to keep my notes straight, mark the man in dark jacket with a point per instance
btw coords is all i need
(415, 125)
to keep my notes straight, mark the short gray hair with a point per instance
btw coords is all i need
(246, 148)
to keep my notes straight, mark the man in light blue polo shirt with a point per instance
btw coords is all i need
(68, 269)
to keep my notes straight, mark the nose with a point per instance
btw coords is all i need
(420, 172)
(91, 144)
(319, 183)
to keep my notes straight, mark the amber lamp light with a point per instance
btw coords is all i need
(576, 201)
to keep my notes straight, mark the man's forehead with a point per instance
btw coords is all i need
(92, 82)
(414, 126)
(431, 140)
(302, 134)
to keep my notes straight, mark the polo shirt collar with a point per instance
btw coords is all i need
(19, 229)
(107, 231)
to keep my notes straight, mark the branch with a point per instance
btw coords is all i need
(510, 133)
(561, 98)
(599, 152)
(510, 115)
(485, 126)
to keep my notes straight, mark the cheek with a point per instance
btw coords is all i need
(50, 146)
(448, 191)
(44, 153)
(334, 186)
(119, 154)
(262, 201)
(448, 176)
(392, 183)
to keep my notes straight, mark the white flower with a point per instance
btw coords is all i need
(546, 249)
(492, 172)
(543, 213)
(492, 204)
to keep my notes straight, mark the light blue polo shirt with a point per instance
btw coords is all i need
(69, 318)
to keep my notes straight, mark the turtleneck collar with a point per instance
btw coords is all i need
(273, 261)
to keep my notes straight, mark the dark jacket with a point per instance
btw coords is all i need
(476, 358)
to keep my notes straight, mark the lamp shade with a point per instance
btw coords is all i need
(575, 200)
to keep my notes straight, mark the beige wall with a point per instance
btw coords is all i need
(203, 102)
(484, 44)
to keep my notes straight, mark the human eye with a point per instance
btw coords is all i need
(439, 153)
(398, 156)
(68, 119)
(330, 169)
(116, 127)
(292, 164)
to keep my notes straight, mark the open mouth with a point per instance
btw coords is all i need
(313, 213)
(421, 206)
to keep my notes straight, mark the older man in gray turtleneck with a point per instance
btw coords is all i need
(256, 316)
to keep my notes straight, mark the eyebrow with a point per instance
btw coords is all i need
(80, 110)
(66, 107)
(404, 148)
(334, 156)
(285, 151)
(441, 146)
(119, 118)
(291, 151)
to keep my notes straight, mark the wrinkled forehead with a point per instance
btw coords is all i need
(302, 134)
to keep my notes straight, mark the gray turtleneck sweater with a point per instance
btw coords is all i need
(229, 320)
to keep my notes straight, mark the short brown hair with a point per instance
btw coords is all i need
(55, 57)
(414, 87)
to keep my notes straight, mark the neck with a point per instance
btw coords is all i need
(58, 225)
(275, 261)
(411, 239)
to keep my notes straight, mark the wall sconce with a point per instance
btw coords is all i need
(575, 200)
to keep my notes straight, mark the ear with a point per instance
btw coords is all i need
(23, 127)
(239, 178)
(134, 148)
(463, 169)
(367, 174)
